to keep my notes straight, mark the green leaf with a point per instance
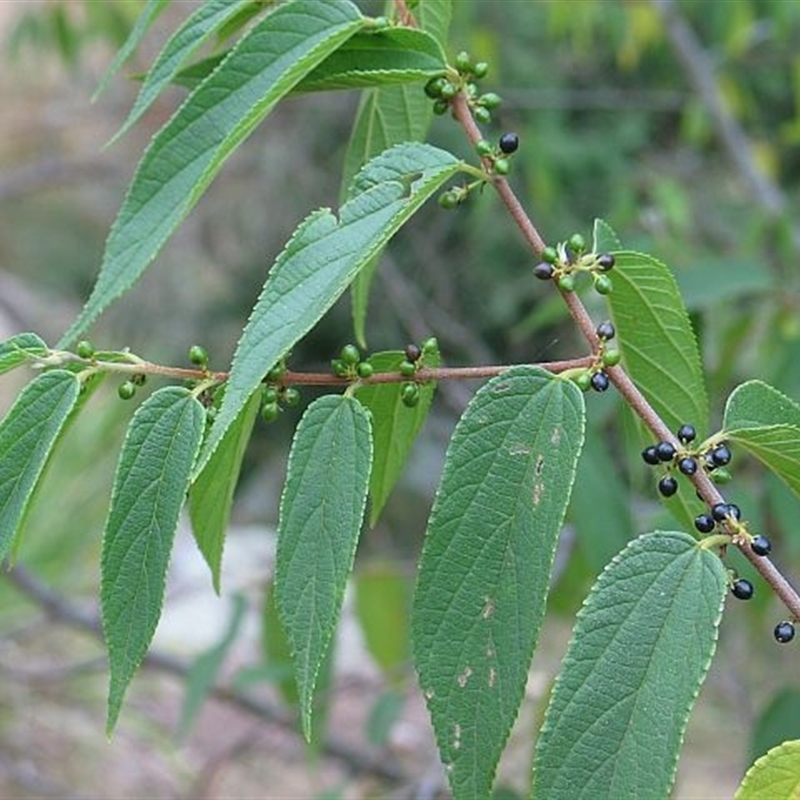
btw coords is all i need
(655, 336)
(211, 493)
(394, 425)
(208, 18)
(639, 652)
(776, 446)
(486, 563)
(320, 521)
(756, 404)
(143, 22)
(434, 17)
(19, 349)
(28, 434)
(382, 58)
(775, 776)
(203, 674)
(186, 154)
(776, 723)
(149, 489)
(321, 259)
(605, 239)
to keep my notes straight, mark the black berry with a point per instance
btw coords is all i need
(599, 381)
(784, 632)
(605, 330)
(543, 271)
(650, 455)
(688, 466)
(720, 511)
(413, 352)
(605, 262)
(720, 455)
(668, 486)
(760, 545)
(509, 142)
(687, 433)
(704, 523)
(665, 451)
(742, 589)
(734, 511)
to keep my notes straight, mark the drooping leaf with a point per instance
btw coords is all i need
(19, 349)
(320, 521)
(198, 28)
(321, 259)
(485, 567)
(394, 425)
(211, 493)
(380, 58)
(775, 776)
(204, 672)
(186, 154)
(149, 489)
(776, 446)
(655, 336)
(639, 652)
(27, 436)
(604, 239)
(756, 404)
(143, 22)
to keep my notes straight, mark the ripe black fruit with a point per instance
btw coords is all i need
(605, 262)
(704, 523)
(665, 451)
(650, 455)
(605, 330)
(687, 433)
(509, 142)
(720, 455)
(688, 466)
(599, 381)
(721, 511)
(760, 545)
(784, 632)
(413, 352)
(667, 486)
(742, 589)
(543, 271)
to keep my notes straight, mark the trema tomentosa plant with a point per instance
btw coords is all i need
(620, 704)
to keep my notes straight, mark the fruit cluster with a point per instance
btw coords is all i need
(595, 377)
(443, 88)
(566, 260)
(276, 396)
(414, 360)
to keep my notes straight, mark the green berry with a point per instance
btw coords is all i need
(84, 348)
(409, 394)
(667, 486)
(407, 369)
(463, 62)
(380, 23)
(721, 476)
(611, 357)
(440, 107)
(430, 346)
(584, 381)
(484, 148)
(550, 255)
(603, 284)
(350, 354)
(502, 166)
(490, 100)
(448, 91)
(509, 142)
(433, 88)
(784, 632)
(269, 412)
(198, 355)
(577, 243)
(277, 372)
(290, 396)
(270, 395)
(480, 69)
(448, 200)
(364, 370)
(566, 283)
(339, 368)
(742, 589)
(126, 390)
(482, 115)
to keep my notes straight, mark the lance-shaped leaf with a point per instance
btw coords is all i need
(775, 776)
(639, 652)
(322, 508)
(766, 422)
(206, 20)
(655, 336)
(321, 259)
(191, 148)
(211, 493)
(394, 425)
(486, 563)
(19, 349)
(149, 489)
(28, 434)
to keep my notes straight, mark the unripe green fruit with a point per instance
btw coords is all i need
(198, 355)
(448, 91)
(550, 255)
(270, 395)
(482, 115)
(433, 88)
(584, 381)
(448, 200)
(270, 412)
(480, 69)
(484, 148)
(126, 390)
(577, 243)
(721, 476)
(603, 284)
(339, 368)
(463, 62)
(290, 396)
(364, 370)
(350, 354)
(490, 100)
(84, 348)
(409, 394)
(379, 23)
(277, 372)
(566, 283)
(611, 358)
(407, 369)
(430, 346)
(440, 107)
(502, 166)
